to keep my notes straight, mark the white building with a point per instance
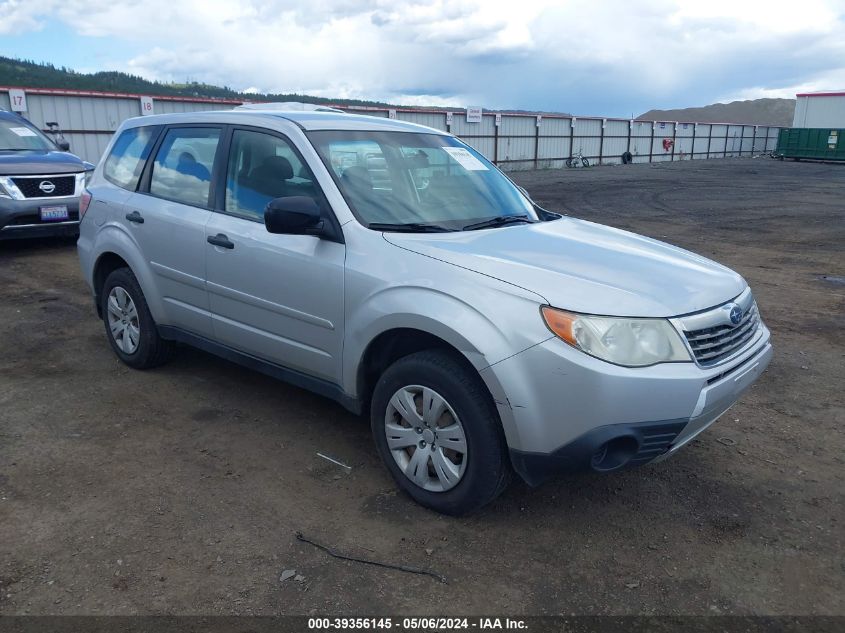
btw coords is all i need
(820, 109)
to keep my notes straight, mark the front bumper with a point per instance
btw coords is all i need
(22, 218)
(564, 411)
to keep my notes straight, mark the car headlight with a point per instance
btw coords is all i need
(8, 189)
(622, 341)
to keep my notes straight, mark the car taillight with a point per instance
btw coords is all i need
(84, 203)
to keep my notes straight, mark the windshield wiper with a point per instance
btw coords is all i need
(499, 220)
(411, 227)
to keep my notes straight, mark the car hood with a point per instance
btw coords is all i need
(586, 267)
(39, 162)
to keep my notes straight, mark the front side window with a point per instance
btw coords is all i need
(182, 168)
(18, 136)
(263, 167)
(127, 157)
(405, 178)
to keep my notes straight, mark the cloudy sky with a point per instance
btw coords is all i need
(589, 57)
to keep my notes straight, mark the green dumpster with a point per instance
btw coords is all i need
(812, 143)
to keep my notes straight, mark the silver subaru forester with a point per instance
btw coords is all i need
(394, 269)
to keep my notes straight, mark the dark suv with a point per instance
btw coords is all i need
(40, 182)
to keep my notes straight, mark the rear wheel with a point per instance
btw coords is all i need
(569, 162)
(130, 327)
(439, 434)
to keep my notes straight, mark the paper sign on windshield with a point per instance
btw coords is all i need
(465, 159)
(23, 131)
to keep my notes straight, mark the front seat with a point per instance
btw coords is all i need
(271, 176)
(358, 181)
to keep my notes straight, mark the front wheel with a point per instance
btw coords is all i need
(439, 434)
(585, 162)
(129, 325)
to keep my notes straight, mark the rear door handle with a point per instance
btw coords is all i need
(220, 240)
(135, 217)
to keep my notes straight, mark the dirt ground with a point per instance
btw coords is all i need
(179, 490)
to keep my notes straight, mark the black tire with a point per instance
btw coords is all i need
(627, 158)
(487, 471)
(569, 162)
(152, 350)
(585, 162)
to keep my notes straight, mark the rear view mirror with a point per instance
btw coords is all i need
(63, 145)
(293, 215)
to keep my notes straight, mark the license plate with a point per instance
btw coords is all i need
(54, 214)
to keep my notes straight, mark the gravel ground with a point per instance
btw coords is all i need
(180, 490)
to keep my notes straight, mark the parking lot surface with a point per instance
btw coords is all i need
(180, 490)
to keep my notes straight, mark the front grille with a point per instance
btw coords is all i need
(714, 344)
(31, 187)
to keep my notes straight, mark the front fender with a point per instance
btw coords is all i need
(485, 326)
(455, 321)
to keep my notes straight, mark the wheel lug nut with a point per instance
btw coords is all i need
(422, 443)
(419, 430)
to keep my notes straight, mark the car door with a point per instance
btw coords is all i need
(167, 216)
(277, 297)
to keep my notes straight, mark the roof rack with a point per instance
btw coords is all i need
(287, 106)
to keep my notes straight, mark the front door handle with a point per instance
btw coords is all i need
(135, 217)
(221, 241)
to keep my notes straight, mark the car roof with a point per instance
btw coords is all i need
(307, 120)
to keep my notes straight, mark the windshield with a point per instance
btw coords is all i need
(17, 135)
(405, 178)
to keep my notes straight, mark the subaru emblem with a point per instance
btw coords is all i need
(735, 314)
(46, 186)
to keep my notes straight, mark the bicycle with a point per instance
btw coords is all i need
(573, 160)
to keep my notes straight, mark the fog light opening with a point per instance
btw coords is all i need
(615, 453)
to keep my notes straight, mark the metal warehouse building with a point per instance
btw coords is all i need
(511, 140)
(820, 110)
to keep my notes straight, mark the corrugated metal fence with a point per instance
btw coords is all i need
(512, 140)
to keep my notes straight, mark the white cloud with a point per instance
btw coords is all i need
(19, 16)
(604, 57)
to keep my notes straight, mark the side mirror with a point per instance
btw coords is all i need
(63, 145)
(294, 215)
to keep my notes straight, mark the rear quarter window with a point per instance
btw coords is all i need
(127, 157)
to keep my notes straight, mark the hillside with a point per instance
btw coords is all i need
(17, 72)
(29, 74)
(777, 112)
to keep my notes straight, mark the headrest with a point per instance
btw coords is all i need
(275, 166)
(357, 176)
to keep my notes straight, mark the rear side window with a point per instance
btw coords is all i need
(183, 164)
(126, 161)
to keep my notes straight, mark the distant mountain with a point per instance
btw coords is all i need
(777, 112)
